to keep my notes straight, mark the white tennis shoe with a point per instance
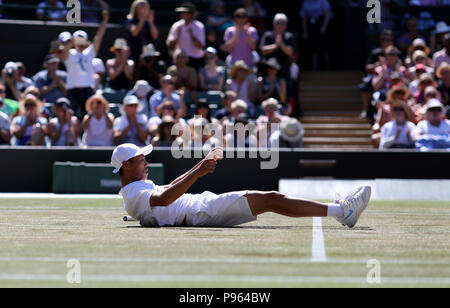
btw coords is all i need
(354, 204)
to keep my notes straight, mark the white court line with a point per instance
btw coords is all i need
(225, 278)
(218, 260)
(318, 243)
(55, 196)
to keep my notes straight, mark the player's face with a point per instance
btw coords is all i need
(139, 167)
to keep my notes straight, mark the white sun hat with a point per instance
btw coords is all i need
(126, 152)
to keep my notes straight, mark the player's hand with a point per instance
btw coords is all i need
(206, 167)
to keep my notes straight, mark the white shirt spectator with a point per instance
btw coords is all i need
(389, 132)
(80, 71)
(53, 14)
(425, 128)
(98, 134)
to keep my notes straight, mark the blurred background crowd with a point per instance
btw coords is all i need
(228, 65)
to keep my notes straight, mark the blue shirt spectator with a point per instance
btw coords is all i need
(51, 81)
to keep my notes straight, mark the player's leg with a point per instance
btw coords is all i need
(347, 211)
(262, 202)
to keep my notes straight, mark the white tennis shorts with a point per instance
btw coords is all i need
(225, 210)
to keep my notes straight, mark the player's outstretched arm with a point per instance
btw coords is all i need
(182, 184)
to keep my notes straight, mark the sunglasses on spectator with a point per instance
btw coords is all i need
(30, 105)
(398, 109)
(431, 94)
(169, 108)
(98, 103)
(437, 109)
(169, 82)
(240, 16)
(132, 105)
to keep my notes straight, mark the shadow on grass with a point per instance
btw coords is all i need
(219, 229)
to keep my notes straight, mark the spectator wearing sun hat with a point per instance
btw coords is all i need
(77, 56)
(120, 68)
(397, 133)
(51, 81)
(443, 73)
(131, 126)
(289, 135)
(150, 66)
(188, 34)
(240, 82)
(437, 36)
(425, 81)
(98, 123)
(143, 91)
(270, 85)
(29, 128)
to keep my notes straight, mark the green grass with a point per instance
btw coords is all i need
(410, 239)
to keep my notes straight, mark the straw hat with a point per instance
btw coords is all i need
(29, 97)
(291, 130)
(419, 43)
(401, 104)
(239, 103)
(239, 65)
(443, 67)
(270, 102)
(394, 90)
(95, 98)
(119, 44)
(427, 77)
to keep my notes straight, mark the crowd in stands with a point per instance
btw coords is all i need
(223, 71)
(406, 92)
(240, 79)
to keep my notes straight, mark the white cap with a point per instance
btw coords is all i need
(280, 17)
(126, 152)
(81, 34)
(11, 66)
(434, 103)
(64, 36)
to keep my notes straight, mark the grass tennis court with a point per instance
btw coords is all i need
(38, 236)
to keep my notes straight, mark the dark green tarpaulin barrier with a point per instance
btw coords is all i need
(83, 178)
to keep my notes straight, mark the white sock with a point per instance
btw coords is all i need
(334, 210)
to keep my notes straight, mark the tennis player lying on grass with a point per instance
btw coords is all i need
(170, 205)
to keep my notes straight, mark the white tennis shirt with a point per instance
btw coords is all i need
(136, 198)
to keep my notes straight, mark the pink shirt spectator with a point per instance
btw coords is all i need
(388, 71)
(242, 50)
(185, 42)
(440, 57)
